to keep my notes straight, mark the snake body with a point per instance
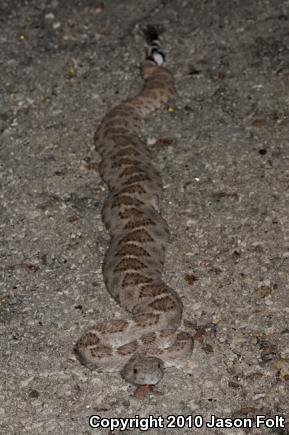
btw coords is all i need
(142, 346)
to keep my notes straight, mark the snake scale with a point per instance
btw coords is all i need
(142, 346)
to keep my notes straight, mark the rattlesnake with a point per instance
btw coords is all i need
(140, 348)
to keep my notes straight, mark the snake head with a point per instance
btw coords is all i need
(140, 370)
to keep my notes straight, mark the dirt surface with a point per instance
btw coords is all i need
(222, 149)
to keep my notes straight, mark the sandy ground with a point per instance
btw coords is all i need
(223, 152)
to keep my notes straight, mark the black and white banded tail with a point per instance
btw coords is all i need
(154, 51)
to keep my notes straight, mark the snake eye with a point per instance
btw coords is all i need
(135, 371)
(159, 365)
